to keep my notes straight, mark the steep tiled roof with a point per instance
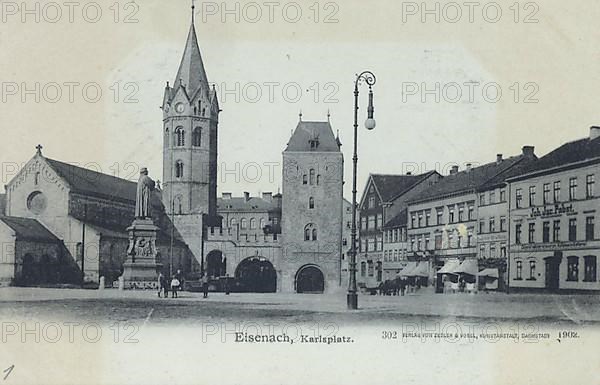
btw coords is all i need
(307, 131)
(392, 186)
(191, 70)
(241, 204)
(572, 152)
(397, 221)
(469, 180)
(29, 229)
(90, 182)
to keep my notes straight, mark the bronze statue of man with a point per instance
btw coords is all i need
(145, 187)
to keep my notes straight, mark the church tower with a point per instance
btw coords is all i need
(190, 120)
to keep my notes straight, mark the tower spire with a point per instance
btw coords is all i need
(193, 10)
(191, 72)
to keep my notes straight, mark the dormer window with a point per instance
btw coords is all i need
(314, 143)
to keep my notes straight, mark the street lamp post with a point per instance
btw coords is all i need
(369, 78)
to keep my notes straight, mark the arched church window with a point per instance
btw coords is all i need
(243, 223)
(304, 179)
(36, 178)
(179, 169)
(310, 232)
(318, 179)
(197, 137)
(262, 223)
(179, 137)
(204, 112)
(233, 222)
(311, 203)
(311, 180)
(178, 205)
(252, 224)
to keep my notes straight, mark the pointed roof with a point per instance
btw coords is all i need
(306, 132)
(191, 70)
(391, 186)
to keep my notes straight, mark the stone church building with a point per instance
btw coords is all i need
(59, 219)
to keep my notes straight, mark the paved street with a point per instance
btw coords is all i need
(112, 305)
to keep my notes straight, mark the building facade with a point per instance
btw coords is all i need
(554, 238)
(384, 197)
(444, 223)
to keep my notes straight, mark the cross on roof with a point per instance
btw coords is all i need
(39, 149)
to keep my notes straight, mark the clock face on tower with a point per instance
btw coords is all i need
(179, 107)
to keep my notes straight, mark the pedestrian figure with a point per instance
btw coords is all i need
(174, 287)
(226, 284)
(162, 284)
(205, 285)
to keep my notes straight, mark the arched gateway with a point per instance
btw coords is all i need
(256, 275)
(310, 279)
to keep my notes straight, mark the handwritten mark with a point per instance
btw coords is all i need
(8, 371)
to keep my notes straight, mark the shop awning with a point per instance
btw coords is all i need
(492, 273)
(449, 267)
(468, 266)
(422, 270)
(407, 269)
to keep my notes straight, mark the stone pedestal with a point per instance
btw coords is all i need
(142, 265)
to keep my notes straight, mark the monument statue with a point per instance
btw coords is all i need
(145, 187)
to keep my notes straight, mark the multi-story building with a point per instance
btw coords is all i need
(251, 215)
(443, 222)
(395, 247)
(384, 197)
(554, 240)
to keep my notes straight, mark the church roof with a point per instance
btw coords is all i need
(29, 229)
(89, 182)
(191, 70)
(306, 132)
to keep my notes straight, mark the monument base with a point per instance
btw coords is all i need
(142, 267)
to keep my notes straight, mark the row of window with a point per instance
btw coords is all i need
(395, 235)
(392, 255)
(493, 251)
(553, 194)
(491, 197)
(367, 268)
(453, 241)
(311, 178)
(491, 225)
(179, 137)
(589, 269)
(371, 222)
(246, 224)
(371, 244)
(554, 234)
(457, 213)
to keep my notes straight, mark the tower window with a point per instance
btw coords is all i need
(179, 137)
(197, 137)
(318, 180)
(310, 232)
(252, 224)
(311, 180)
(311, 203)
(179, 169)
(178, 205)
(304, 179)
(243, 224)
(36, 178)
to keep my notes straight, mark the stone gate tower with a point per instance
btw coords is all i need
(311, 221)
(190, 121)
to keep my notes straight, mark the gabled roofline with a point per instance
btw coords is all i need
(423, 177)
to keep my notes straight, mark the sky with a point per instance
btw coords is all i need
(455, 85)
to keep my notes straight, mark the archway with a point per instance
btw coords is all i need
(310, 279)
(214, 264)
(256, 275)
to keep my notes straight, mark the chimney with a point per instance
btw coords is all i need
(469, 166)
(594, 132)
(409, 173)
(268, 196)
(226, 195)
(499, 158)
(528, 151)
(454, 170)
(246, 196)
